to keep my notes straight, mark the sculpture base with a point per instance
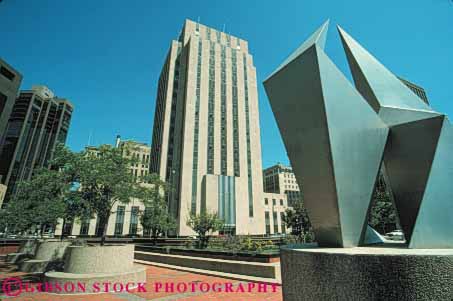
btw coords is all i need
(95, 282)
(387, 272)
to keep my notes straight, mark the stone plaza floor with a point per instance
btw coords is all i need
(162, 284)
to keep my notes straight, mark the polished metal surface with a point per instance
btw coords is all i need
(417, 160)
(336, 137)
(334, 140)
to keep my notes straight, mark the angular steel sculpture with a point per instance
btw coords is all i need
(417, 161)
(334, 140)
(336, 137)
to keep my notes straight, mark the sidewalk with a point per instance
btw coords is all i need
(158, 278)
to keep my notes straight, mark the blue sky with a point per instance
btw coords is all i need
(106, 56)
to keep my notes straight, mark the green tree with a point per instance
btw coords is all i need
(383, 213)
(297, 219)
(76, 185)
(155, 219)
(204, 224)
(104, 179)
(38, 202)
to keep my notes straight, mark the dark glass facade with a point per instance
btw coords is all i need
(36, 125)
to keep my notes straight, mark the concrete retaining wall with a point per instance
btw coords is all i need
(51, 250)
(256, 269)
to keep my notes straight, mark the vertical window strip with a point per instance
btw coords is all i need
(218, 36)
(247, 129)
(193, 207)
(171, 136)
(211, 107)
(224, 157)
(235, 114)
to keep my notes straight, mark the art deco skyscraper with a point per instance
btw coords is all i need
(206, 137)
(38, 122)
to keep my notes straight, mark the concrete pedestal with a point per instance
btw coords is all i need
(26, 250)
(88, 265)
(49, 255)
(367, 273)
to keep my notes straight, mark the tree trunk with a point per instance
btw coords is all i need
(41, 229)
(154, 237)
(105, 220)
(62, 229)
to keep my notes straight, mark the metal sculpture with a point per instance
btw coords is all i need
(337, 135)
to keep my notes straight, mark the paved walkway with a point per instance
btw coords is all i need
(162, 284)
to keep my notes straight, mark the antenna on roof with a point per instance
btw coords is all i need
(89, 138)
(223, 29)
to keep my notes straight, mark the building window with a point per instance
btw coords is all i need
(3, 100)
(6, 73)
(282, 217)
(134, 220)
(266, 201)
(85, 226)
(281, 202)
(267, 222)
(274, 216)
(99, 230)
(67, 227)
(218, 36)
(146, 231)
(274, 202)
(119, 220)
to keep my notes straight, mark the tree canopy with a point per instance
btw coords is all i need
(297, 219)
(204, 224)
(155, 219)
(38, 202)
(81, 184)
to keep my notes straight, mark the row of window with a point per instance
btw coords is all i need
(235, 116)
(119, 222)
(247, 134)
(218, 36)
(171, 135)
(159, 118)
(211, 104)
(193, 206)
(275, 222)
(140, 158)
(274, 202)
(223, 161)
(290, 181)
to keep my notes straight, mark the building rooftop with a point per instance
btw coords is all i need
(279, 165)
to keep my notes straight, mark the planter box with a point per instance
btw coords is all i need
(216, 254)
(99, 264)
(254, 269)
